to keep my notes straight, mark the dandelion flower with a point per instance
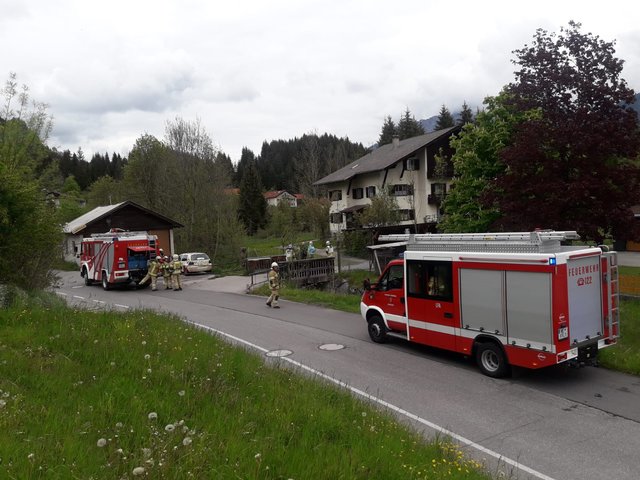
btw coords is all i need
(170, 427)
(3, 404)
(186, 441)
(138, 471)
(101, 442)
(153, 416)
(147, 356)
(144, 342)
(31, 456)
(181, 393)
(257, 456)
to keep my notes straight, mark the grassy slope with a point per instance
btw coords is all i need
(103, 395)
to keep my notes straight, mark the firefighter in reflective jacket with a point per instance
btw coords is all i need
(152, 273)
(177, 270)
(274, 285)
(165, 266)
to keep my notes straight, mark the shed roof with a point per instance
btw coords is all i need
(77, 225)
(384, 156)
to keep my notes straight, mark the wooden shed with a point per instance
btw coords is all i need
(126, 215)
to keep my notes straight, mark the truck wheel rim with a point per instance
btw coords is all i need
(490, 360)
(375, 329)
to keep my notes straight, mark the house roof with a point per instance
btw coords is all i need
(353, 208)
(79, 224)
(275, 194)
(384, 156)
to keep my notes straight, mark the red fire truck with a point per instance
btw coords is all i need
(117, 257)
(521, 299)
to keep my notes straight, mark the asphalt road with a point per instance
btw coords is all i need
(549, 424)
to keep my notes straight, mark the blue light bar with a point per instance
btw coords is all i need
(552, 261)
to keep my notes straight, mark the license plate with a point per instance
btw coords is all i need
(563, 332)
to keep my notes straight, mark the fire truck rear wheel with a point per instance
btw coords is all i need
(105, 282)
(491, 360)
(377, 329)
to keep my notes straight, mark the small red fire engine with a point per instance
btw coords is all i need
(520, 299)
(116, 258)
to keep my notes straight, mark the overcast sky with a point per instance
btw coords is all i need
(275, 69)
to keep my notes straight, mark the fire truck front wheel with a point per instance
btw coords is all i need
(377, 329)
(87, 280)
(491, 360)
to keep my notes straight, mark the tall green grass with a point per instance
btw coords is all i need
(139, 395)
(625, 356)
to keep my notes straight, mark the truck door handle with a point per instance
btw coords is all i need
(448, 315)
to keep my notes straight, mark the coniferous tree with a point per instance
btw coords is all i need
(408, 126)
(389, 129)
(253, 206)
(466, 115)
(445, 119)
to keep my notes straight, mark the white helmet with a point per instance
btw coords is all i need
(158, 257)
(328, 242)
(175, 256)
(274, 265)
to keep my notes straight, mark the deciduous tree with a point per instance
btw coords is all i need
(575, 166)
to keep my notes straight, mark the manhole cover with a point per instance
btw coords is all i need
(279, 353)
(331, 346)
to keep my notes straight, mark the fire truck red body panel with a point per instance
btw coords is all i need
(539, 303)
(116, 257)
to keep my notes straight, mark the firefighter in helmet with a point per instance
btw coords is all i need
(152, 273)
(166, 272)
(274, 285)
(177, 270)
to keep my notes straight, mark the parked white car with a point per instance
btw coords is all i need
(195, 262)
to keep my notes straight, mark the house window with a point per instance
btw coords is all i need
(335, 195)
(412, 164)
(401, 190)
(357, 193)
(336, 218)
(371, 192)
(407, 214)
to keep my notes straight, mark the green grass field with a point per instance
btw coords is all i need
(139, 395)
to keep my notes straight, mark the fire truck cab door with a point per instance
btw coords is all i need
(389, 295)
(430, 308)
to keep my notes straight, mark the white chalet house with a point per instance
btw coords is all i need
(407, 168)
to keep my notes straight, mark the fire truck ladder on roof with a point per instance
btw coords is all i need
(542, 241)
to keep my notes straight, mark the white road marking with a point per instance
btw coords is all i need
(388, 405)
(79, 297)
(78, 286)
(99, 301)
(121, 306)
(62, 294)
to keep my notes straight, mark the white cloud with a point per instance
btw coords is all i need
(255, 71)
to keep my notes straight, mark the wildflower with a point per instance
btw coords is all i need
(186, 441)
(119, 425)
(257, 456)
(153, 416)
(101, 442)
(138, 471)
(146, 452)
(3, 404)
(147, 356)
(170, 427)
(31, 456)
(181, 393)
